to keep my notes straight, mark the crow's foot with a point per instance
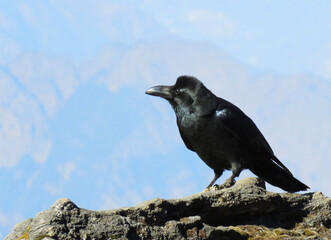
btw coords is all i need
(228, 183)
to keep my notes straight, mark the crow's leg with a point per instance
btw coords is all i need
(236, 170)
(217, 173)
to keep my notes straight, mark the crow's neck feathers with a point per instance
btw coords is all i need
(206, 102)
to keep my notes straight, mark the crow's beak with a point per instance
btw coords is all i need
(160, 91)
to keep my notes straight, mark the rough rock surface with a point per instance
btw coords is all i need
(243, 211)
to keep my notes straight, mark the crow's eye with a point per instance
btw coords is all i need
(177, 91)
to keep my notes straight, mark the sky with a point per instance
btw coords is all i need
(75, 121)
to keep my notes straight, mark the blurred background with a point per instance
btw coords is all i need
(74, 119)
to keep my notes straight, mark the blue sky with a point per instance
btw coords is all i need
(74, 119)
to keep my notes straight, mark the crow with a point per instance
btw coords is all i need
(222, 135)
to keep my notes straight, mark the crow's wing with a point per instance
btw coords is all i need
(245, 131)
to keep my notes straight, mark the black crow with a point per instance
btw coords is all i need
(222, 135)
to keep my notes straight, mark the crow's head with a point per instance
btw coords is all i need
(183, 94)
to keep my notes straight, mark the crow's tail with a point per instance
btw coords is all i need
(276, 175)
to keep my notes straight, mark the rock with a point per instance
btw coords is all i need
(246, 210)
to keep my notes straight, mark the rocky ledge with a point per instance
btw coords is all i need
(243, 211)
